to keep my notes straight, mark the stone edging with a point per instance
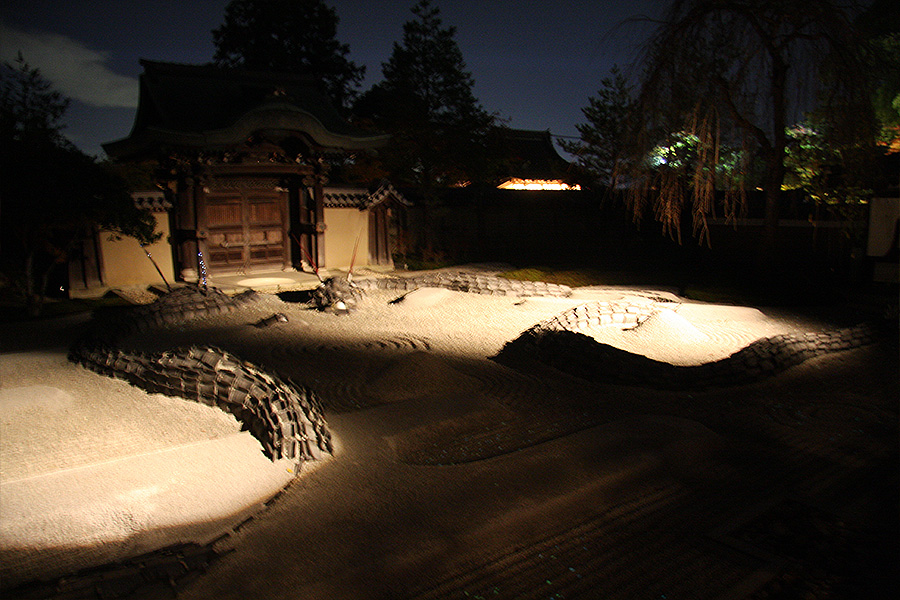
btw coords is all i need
(558, 343)
(286, 418)
(469, 282)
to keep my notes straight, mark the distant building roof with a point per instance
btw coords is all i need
(208, 107)
(531, 155)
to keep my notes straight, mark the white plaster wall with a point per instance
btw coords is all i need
(343, 227)
(126, 264)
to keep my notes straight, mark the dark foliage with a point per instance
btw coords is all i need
(440, 131)
(52, 196)
(288, 36)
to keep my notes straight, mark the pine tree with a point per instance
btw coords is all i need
(290, 36)
(601, 136)
(426, 101)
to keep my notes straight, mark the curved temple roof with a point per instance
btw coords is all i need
(211, 108)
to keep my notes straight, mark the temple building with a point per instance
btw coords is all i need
(533, 162)
(243, 160)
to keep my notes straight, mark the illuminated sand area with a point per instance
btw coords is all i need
(453, 475)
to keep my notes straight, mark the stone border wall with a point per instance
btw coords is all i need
(558, 343)
(286, 418)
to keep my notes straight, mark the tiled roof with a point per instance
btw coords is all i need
(346, 197)
(205, 106)
(385, 191)
(361, 198)
(532, 155)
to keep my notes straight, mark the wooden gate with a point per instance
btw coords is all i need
(246, 229)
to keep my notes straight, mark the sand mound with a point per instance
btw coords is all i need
(34, 398)
(668, 325)
(666, 336)
(697, 311)
(418, 375)
(424, 297)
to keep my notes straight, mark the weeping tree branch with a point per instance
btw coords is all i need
(734, 73)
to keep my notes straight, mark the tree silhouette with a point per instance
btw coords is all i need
(290, 36)
(426, 101)
(739, 72)
(599, 148)
(52, 196)
(880, 27)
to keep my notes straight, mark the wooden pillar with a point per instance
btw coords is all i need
(319, 180)
(319, 199)
(186, 229)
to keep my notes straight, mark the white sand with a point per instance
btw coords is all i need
(414, 374)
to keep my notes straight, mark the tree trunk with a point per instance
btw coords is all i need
(767, 259)
(34, 300)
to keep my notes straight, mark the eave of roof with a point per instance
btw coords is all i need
(282, 118)
(206, 107)
(362, 198)
(532, 154)
(151, 200)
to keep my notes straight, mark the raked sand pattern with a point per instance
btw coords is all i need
(502, 440)
(641, 338)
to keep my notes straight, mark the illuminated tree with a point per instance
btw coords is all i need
(426, 101)
(832, 176)
(52, 196)
(290, 36)
(880, 26)
(737, 73)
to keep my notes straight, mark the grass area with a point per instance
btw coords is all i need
(580, 277)
(719, 294)
(415, 263)
(569, 277)
(698, 284)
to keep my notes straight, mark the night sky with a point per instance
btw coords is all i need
(535, 63)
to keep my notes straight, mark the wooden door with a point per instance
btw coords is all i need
(245, 230)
